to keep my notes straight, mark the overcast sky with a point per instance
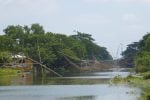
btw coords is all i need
(111, 22)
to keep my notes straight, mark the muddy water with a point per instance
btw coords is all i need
(89, 86)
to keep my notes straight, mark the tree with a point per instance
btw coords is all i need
(143, 58)
(142, 42)
(4, 57)
(143, 62)
(129, 54)
(14, 31)
(6, 43)
(50, 48)
(92, 50)
(37, 29)
(137, 54)
(27, 29)
(82, 36)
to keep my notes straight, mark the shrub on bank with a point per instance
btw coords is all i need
(146, 75)
(141, 80)
(8, 71)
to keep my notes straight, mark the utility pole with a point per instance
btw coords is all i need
(39, 54)
(119, 49)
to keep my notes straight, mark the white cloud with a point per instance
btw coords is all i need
(92, 19)
(33, 7)
(130, 18)
(27, 12)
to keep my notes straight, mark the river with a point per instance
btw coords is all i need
(87, 86)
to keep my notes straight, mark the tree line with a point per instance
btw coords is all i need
(137, 54)
(48, 47)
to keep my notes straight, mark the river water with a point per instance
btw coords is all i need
(89, 86)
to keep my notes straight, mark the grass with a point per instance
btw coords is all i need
(141, 80)
(7, 74)
(8, 71)
(146, 75)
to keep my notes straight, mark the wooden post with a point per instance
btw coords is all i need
(45, 67)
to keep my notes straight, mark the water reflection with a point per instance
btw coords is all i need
(69, 92)
(16, 80)
(84, 78)
(78, 98)
(84, 86)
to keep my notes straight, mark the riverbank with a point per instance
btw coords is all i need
(141, 80)
(9, 72)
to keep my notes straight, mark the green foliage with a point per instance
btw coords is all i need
(147, 44)
(14, 31)
(69, 53)
(117, 79)
(4, 57)
(143, 41)
(143, 58)
(139, 54)
(37, 29)
(141, 82)
(6, 43)
(131, 50)
(143, 62)
(146, 75)
(130, 53)
(50, 48)
(8, 71)
(92, 50)
(7, 74)
(83, 36)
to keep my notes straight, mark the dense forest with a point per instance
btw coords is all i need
(47, 47)
(137, 54)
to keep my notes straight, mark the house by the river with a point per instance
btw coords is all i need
(22, 63)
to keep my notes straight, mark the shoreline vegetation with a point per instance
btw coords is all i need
(137, 56)
(141, 80)
(9, 72)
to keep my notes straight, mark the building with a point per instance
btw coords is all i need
(22, 63)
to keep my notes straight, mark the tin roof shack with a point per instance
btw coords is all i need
(22, 63)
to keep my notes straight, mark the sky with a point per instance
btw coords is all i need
(113, 23)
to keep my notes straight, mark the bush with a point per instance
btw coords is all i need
(146, 75)
(143, 62)
(4, 58)
(8, 71)
(117, 79)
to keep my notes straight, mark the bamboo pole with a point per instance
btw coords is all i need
(75, 65)
(46, 67)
